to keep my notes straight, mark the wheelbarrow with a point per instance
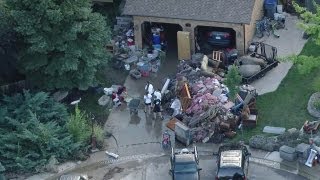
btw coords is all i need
(134, 105)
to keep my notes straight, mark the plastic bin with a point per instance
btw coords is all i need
(270, 7)
(270, 1)
(156, 39)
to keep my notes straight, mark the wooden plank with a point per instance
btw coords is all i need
(172, 123)
(184, 45)
(185, 97)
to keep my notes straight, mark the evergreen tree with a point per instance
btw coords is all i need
(233, 80)
(32, 129)
(63, 42)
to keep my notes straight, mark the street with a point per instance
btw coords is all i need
(158, 169)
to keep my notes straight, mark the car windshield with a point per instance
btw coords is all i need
(232, 172)
(190, 167)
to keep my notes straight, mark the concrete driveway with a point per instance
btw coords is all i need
(289, 43)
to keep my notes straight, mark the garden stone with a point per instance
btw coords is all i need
(288, 153)
(104, 100)
(274, 130)
(52, 165)
(311, 109)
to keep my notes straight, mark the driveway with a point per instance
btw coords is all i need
(158, 169)
(289, 43)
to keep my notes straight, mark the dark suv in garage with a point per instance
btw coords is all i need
(233, 162)
(219, 38)
(185, 164)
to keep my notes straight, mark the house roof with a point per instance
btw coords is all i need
(230, 11)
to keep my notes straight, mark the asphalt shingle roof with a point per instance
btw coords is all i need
(230, 11)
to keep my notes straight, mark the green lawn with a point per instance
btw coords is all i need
(287, 107)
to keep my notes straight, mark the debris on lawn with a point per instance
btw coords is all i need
(204, 104)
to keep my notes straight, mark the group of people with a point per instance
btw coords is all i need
(152, 100)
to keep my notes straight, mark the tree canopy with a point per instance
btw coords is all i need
(310, 23)
(62, 42)
(33, 128)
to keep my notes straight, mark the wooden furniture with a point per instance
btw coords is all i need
(185, 97)
(249, 117)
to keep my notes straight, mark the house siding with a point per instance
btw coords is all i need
(251, 28)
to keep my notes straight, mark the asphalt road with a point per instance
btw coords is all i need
(158, 169)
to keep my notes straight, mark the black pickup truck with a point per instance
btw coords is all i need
(233, 162)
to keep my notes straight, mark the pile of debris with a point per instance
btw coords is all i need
(127, 56)
(205, 104)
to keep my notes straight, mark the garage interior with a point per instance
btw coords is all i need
(208, 39)
(168, 35)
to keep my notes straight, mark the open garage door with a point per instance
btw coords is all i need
(210, 39)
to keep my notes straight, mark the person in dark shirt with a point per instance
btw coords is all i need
(157, 109)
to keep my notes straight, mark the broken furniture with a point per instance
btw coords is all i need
(185, 97)
(311, 127)
(182, 133)
(249, 117)
(302, 150)
(288, 153)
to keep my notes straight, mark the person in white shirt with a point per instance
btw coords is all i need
(157, 94)
(147, 102)
(149, 88)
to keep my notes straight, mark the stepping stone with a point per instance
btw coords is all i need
(274, 130)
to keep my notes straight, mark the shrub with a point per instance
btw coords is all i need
(80, 128)
(233, 80)
(33, 128)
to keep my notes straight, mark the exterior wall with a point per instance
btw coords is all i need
(250, 29)
(238, 28)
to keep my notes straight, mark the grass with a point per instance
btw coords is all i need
(287, 106)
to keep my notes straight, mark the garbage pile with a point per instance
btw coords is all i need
(207, 112)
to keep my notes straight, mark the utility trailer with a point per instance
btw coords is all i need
(262, 51)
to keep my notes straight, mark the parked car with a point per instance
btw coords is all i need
(221, 39)
(233, 162)
(185, 164)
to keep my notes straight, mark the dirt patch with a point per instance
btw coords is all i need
(112, 172)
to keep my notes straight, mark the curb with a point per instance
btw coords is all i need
(257, 160)
(278, 165)
(103, 163)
